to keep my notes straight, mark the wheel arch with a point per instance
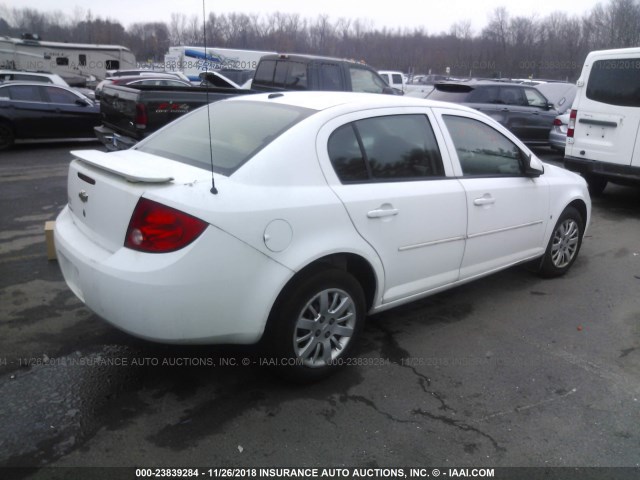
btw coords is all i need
(581, 207)
(352, 263)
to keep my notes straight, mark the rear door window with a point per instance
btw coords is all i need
(394, 147)
(481, 94)
(331, 77)
(25, 93)
(512, 96)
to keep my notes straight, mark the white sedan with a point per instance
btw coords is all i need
(326, 207)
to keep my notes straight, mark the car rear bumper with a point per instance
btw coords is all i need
(113, 140)
(201, 294)
(557, 139)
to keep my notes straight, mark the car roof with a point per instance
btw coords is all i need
(320, 100)
(302, 56)
(477, 82)
(42, 74)
(157, 76)
(36, 84)
(56, 79)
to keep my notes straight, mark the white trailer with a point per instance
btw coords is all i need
(193, 61)
(68, 60)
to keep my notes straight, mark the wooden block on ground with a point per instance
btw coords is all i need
(48, 234)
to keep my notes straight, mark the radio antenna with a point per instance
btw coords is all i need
(213, 190)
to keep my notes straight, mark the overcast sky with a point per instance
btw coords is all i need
(434, 15)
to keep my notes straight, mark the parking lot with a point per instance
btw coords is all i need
(511, 370)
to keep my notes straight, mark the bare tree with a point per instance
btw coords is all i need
(552, 47)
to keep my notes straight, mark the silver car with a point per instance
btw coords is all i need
(558, 133)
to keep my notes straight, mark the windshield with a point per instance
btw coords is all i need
(239, 130)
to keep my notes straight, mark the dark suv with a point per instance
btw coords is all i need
(520, 108)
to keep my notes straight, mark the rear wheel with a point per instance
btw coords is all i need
(596, 184)
(564, 244)
(7, 137)
(315, 325)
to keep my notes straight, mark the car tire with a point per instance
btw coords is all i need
(315, 324)
(7, 137)
(596, 184)
(564, 244)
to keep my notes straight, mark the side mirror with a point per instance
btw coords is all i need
(533, 167)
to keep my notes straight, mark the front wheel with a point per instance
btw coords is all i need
(316, 323)
(564, 244)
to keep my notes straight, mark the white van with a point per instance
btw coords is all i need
(603, 142)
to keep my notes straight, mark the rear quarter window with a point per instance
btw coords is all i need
(616, 82)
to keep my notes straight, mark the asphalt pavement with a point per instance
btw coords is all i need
(511, 370)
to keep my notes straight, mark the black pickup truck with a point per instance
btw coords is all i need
(131, 113)
(310, 72)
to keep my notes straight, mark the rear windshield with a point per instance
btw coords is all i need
(616, 82)
(450, 93)
(239, 130)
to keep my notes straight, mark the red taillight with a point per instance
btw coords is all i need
(557, 122)
(156, 228)
(572, 123)
(141, 116)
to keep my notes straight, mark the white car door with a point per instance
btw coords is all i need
(388, 170)
(508, 210)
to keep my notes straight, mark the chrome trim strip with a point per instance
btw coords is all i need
(429, 244)
(500, 230)
(467, 237)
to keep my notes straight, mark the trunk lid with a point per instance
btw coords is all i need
(104, 188)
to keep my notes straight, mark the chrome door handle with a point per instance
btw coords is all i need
(382, 212)
(484, 200)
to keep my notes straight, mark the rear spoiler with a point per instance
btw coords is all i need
(143, 170)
